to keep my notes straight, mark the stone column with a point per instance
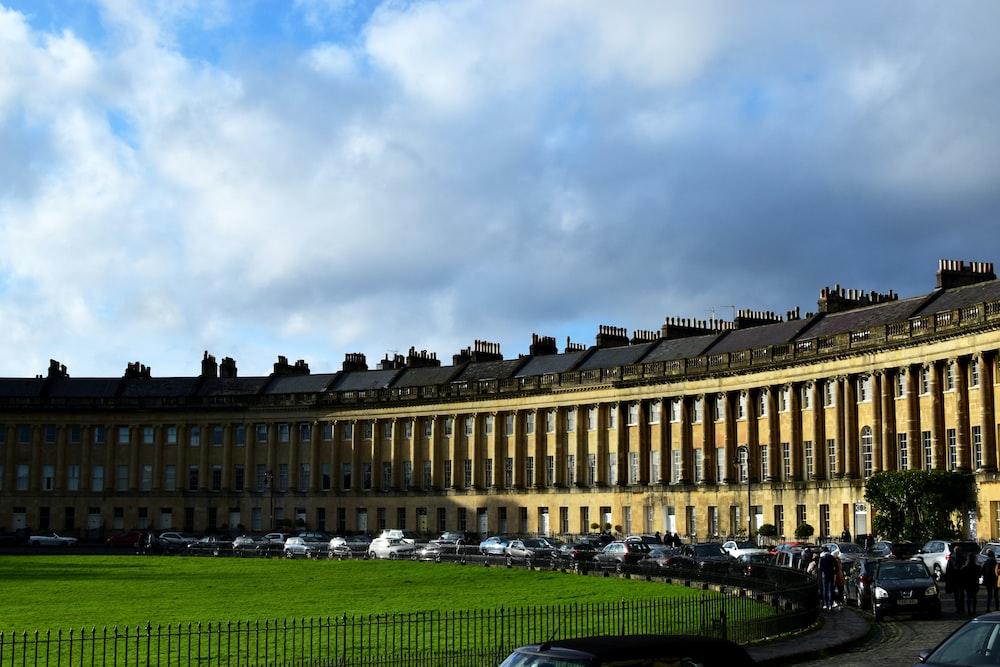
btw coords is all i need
(913, 444)
(753, 437)
(204, 469)
(520, 450)
(183, 442)
(294, 441)
(621, 440)
(878, 380)
(249, 460)
(437, 456)
(478, 454)
(86, 468)
(852, 469)
(315, 460)
(795, 413)
(499, 450)
(939, 458)
(581, 449)
(227, 457)
(666, 437)
(158, 436)
(708, 475)
(644, 440)
(841, 409)
(889, 454)
(821, 469)
(730, 401)
(964, 460)
(357, 456)
(686, 473)
(775, 465)
(59, 482)
(603, 474)
(987, 411)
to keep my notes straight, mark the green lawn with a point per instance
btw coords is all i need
(42, 592)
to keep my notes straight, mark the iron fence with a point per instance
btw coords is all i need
(441, 638)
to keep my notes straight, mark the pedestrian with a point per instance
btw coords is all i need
(813, 567)
(659, 540)
(970, 579)
(839, 581)
(953, 583)
(827, 578)
(989, 570)
(845, 536)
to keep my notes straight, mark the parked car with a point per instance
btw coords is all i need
(577, 551)
(903, 587)
(845, 551)
(457, 538)
(530, 547)
(599, 540)
(974, 643)
(51, 540)
(277, 538)
(622, 553)
(635, 651)
(391, 548)
(667, 558)
(249, 545)
(349, 546)
(127, 539)
(736, 548)
(936, 553)
(210, 545)
(989, 546)
(652, 540)
(305, 547)
(434, 550)
(493, 546)
(708, 555)
(756, 564)
(174, 542)
(889, 549)
(411, 536)
(858, 576)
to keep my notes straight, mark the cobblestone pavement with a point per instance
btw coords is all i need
(894, 642)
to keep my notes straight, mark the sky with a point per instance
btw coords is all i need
(310, 178)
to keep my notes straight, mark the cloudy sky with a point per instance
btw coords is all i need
(309, 178)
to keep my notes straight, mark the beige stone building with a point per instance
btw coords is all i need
(701, 428)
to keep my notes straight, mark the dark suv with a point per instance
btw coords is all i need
(903, 587)
(635, 651)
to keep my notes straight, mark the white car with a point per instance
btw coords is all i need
(738, 548)
(51, 540)
(391, 548)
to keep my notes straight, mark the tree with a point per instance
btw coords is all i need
(918, 505)
(804, 531)
(767, 530)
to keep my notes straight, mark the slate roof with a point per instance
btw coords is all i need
(760, 336)
(426, 377)
(863, 318)
(960, 297)
(609, 357)
(680, 348)
(553, 363)
(299, 384)
(489, 370)
(247, 386)
(84, 387)
(158, 387)
(365, 380)
(21, 387)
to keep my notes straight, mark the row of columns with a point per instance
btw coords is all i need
(369, 452)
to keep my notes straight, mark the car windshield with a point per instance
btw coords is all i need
(746, 545)
(534, 542)
(518, 659)
(851, 549)
(905, 570)
(974, 643)
(707, 550)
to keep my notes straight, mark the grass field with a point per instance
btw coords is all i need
(43, 592)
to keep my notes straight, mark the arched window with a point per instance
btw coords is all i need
(866, 451)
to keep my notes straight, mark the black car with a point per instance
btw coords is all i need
(667, 558)
(709, 556)
(577, 551)
(903, 587)
(635, 651)
(975, 643)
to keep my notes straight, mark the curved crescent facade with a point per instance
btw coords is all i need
(701, 428)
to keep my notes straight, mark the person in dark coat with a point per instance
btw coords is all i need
(970, 580)
(953, 582)
(845, 536)
(989, 570)
(827, 578)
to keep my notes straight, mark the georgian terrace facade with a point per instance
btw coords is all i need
(701, 428)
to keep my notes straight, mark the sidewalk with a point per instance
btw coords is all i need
(835, 630)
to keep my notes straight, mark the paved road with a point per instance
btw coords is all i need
(895, 642)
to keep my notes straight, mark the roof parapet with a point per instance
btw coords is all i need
(481, 350)
(837, 299)
(956, 273)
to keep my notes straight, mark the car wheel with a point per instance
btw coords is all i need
(393, 555)
(619, 566)
(875, 612)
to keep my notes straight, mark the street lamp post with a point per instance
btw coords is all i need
(744, 452)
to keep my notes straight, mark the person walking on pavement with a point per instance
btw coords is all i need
(827, 578)
(989, 571)
(970, 579)
(953, 582)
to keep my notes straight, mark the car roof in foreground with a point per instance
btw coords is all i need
(654, 646)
